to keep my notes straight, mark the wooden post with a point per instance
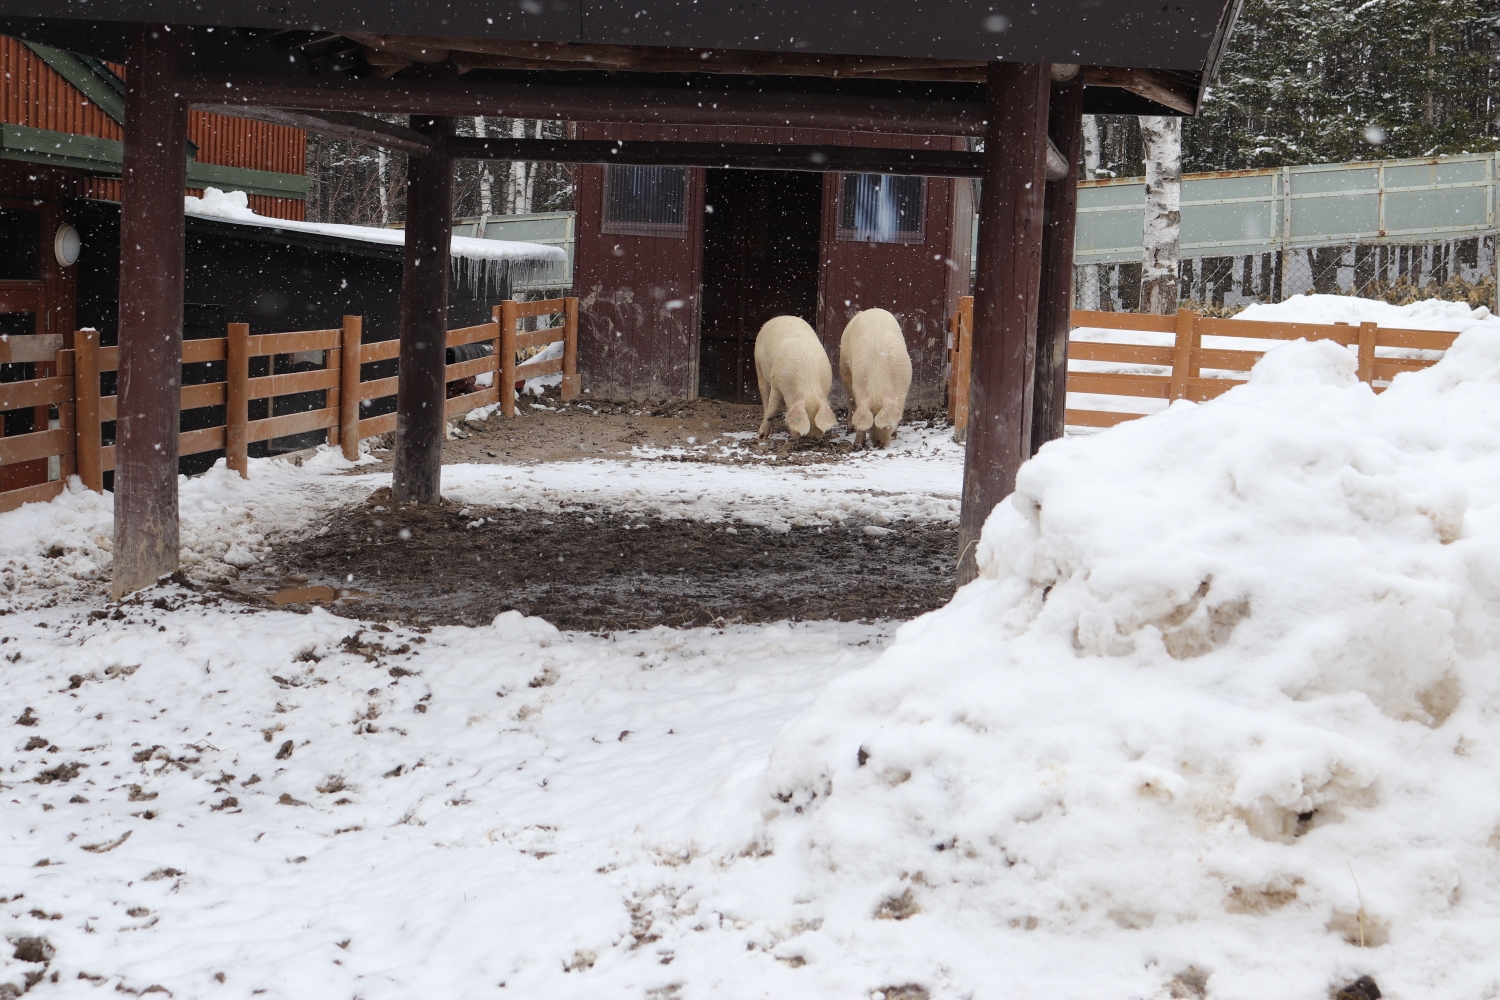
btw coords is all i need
(963, 356)
(1367, 352)
(509, 318)
(421, 385)
(571, 386)
(150, 311)
(67, 414)
(88, 443)
(352, 346)
(1006, 294)
(1182, 354)
(237, 400)
(1054, 321)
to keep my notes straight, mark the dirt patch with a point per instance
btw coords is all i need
(593, 569)
(546, 429)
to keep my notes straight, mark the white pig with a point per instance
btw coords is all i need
(877, 374)
(792, 368)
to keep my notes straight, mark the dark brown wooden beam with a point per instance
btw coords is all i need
(360, 128)
(738, 155)
(1178, 91)
(1164, 87)
(421, 390)
(150, 310)
(1006, 293)
(605, 101)
(1054, 320)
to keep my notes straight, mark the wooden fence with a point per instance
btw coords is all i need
(73, 390)
(1186, 358)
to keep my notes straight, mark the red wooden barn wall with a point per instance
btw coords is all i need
(918, 282)
(638, 295)
(35, 95)
(632, 345)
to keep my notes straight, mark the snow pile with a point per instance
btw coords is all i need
(1220, 714)
(486, 261)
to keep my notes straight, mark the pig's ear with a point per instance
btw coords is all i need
(888, 417)
(825, 420)
(796, 419)
(861, 418)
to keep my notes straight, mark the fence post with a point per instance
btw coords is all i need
(495, 353)
(88, 442)
(67, 413)
(352, 347)
(1367, 352)
(237, 400)
(508, 318)
(571, 386)
(963, 363)
(1182, 354)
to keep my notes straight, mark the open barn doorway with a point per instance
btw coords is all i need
(760, 259)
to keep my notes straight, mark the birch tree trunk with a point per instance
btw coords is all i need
(383, 184)
(1090, 147)
(1089, 296)
(518, 172)
(1162, 137)
(486, 192)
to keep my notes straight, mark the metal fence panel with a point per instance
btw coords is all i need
(1246, 212)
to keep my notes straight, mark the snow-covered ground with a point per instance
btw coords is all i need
(1221, 718)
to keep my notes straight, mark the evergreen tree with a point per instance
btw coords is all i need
(1315, 81)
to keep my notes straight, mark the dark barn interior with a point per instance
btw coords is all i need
(760, 259)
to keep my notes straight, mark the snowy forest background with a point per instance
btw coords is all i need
(1305, 81)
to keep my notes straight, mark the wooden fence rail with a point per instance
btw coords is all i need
(72, 390)
(1186, 358)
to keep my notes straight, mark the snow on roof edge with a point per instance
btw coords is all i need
(234, 206)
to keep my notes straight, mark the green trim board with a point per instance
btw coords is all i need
(87, 78)
(61, 149)
(249, 181)
(104, 156)
(94, 80)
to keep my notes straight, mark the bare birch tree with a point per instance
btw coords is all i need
(1088, 286)
(1162, 137)
(486, 193)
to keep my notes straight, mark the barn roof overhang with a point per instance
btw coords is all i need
(1138, 56)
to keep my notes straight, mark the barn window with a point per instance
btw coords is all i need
(645, 201)
(881, 208)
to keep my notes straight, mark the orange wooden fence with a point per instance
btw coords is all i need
(1186, 358)
(40, 395)
(73, 390)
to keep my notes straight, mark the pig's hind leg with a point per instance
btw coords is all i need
(772, 396)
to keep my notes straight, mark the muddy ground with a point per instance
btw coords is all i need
(549, 430)
(591, 569)
(595, 570)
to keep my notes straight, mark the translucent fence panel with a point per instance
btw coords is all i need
(1264, 211)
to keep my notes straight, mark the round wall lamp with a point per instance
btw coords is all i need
(67, 245)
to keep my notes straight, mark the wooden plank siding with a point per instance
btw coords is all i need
(914, 281)
(631, 346)
(36, 96)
